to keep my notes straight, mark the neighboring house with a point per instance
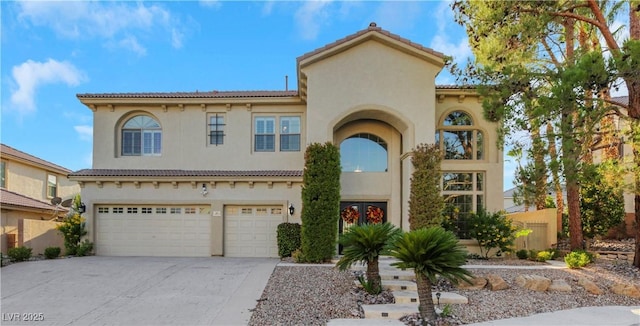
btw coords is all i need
(28, 185)
(215, 172)
(625, 153)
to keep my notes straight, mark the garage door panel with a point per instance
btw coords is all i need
(251, 231)
(144, 234)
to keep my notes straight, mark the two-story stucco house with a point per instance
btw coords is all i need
(27, 185)
(214, 173)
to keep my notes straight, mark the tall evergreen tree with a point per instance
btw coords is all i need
(425, 201)
(320, 202)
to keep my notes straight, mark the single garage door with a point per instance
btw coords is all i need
(137, 230)
(251, 231)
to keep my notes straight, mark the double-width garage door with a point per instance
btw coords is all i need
(251, 231)
(147, 230)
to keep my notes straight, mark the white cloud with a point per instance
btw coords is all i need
(31, 74)
(310, 16)
(109, 20)
(215, 4)
(458, 49)
(267, 8)
(460, 52)
(131, 43)
(84, 132)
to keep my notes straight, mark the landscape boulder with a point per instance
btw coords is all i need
(533, 282)
(628, 290)
(477, 283)
(589, 285)
(559, 286)
(496, 283)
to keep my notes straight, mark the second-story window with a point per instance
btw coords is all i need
(52, 186)
(3, 174)
(289, 134)
(216, 129)
(459, 138)
(141, 136)
(265, 134)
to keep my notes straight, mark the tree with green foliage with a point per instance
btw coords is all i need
(365, 243)
(426, 203)
(601, 200)
(430, 252)
(562, 42)
(320, 202)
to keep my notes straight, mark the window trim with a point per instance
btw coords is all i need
(479, 148)
(277, 132)
(49, 187)
(289, 134)
(220, 134)
(153, 148)
(3, 174)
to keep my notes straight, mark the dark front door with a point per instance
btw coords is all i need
(355, 213)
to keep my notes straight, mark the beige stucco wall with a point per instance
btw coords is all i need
(31, 181)
(545, 216)
(224, 193)
(185, 142)
(373, 77)
(37, 233)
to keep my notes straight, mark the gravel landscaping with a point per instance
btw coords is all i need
(312, 295)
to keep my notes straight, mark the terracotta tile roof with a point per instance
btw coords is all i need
(455, 86)
(372, 27)
(184, 173)
(623, 100)
(10, 151)
(196, 94)
(15, 199)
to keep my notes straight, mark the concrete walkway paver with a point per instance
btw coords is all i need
(135, 290)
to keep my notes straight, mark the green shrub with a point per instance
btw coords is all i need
(522, 254)
(72, 229)
(298, 256)
(320, 202)
(368, 285)
(19, 253)
(578, 258)
(84, 248)
(533, 254)
(492, 230)
(288, 238)
(544, 255)
(52, 252)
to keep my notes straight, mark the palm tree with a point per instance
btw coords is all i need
(430, 252)
(364, 244)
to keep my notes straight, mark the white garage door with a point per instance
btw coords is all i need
(137, 230)
(251, 231)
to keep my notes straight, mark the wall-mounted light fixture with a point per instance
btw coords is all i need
(291, 209)
(204, 189)
(82, 208)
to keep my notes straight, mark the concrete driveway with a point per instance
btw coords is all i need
(133, 291)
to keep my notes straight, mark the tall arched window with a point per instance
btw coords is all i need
(363, 153)
(459, 139)
(141, 135)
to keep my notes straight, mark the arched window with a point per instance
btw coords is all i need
(459, 139)
(363, 153)
(141, 135)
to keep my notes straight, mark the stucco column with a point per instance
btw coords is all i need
(407, 171)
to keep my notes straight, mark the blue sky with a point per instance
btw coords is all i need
(52, 51)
